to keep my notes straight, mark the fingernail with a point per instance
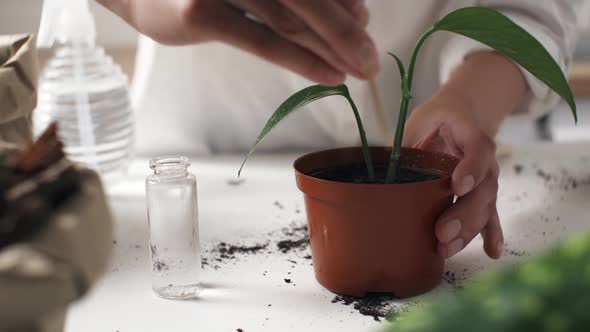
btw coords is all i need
(367, 58)
(454, 247)
(451, 230)
(500, 248)
(466, 185)
(361, 12)
(366, 18)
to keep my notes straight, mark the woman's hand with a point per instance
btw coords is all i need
(462, 119)
(445, 124)
(321, 40)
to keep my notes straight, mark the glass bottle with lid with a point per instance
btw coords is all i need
(173, 228)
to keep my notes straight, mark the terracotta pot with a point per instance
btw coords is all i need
(375, 237)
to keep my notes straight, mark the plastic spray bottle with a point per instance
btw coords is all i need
(82, 90)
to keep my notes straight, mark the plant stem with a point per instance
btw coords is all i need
(396, 150)
(364, 143)
(406, 87)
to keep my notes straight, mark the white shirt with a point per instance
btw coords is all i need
(212, 98)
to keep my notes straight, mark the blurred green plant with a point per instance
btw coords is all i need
(484, 25)
(549, 294)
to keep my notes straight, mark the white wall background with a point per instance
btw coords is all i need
(18, 16)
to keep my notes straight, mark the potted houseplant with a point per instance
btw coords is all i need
(371, 210)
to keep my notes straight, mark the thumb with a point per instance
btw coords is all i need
(478, 152)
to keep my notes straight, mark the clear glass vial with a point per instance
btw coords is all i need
(173, 228)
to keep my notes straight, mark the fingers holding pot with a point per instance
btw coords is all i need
(493, 237)
(472, 214)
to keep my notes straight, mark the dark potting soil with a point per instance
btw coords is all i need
(377, 305)
(455, 279)
(514, 252)
(357, 173)
(562, 180)
(388, 306)
(293, 239)
(231, 249)
(286, 246)
(297, 239)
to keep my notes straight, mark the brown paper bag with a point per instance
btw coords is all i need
(18, 82)
(41, 276)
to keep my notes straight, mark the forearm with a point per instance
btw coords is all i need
(490, 85)
(163, 21)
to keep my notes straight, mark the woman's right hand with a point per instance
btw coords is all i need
(320, 40)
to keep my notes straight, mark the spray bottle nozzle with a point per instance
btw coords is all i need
(66, 21)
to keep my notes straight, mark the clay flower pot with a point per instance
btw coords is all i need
(375, 237)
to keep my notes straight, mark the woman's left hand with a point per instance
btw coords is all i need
(446, 124)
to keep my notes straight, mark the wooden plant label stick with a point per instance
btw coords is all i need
(381, 118)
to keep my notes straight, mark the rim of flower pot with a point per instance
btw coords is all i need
(443, 176)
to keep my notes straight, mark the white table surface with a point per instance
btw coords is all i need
(536, 214)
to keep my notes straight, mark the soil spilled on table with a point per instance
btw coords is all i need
(230, 250)
(376, 305)
(562, 179)
(455, 279)
(357, 173)
(297, 239)
(514, 252)
(292, 240)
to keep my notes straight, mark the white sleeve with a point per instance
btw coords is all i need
(552, 22)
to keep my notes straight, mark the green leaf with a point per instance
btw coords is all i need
(497, 31)
(400, 65)
(402, 74)
(392, 167)
(304, 97)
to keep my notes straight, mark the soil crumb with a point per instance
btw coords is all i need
(160, 265)
(455, 279)
(518, 168)
(232, 249)
(544, 175)
(377, 305)
(562, 180)
(287, 245)
(515, 252)
(297, 239)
